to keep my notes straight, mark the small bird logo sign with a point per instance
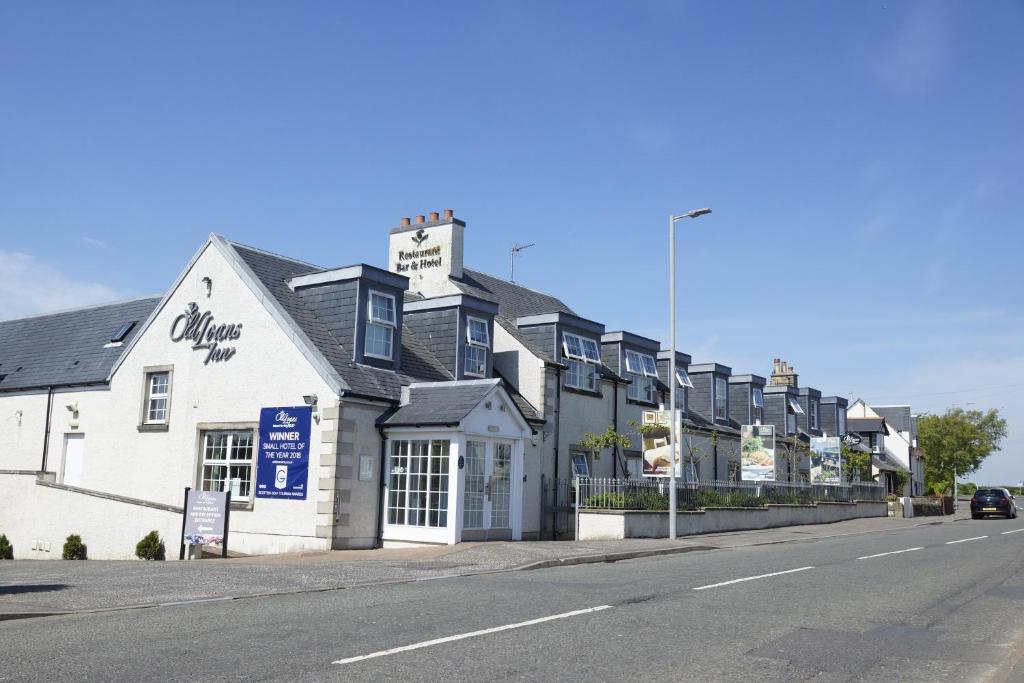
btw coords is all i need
(419, 237)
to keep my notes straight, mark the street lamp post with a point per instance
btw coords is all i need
(675, 450)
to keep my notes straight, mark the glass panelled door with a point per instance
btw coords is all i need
(488, 479)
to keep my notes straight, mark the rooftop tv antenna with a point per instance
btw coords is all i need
(516, 248)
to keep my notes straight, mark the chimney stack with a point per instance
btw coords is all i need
(429, 253)
(783, 375)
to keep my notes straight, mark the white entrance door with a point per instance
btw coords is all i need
(488, 490)
(74, 452)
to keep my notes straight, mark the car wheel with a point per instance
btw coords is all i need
(975, 516)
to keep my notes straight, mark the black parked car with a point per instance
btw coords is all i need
(993, 502)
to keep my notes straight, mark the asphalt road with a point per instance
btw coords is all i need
(946, 605)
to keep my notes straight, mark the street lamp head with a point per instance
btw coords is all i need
(696, 213)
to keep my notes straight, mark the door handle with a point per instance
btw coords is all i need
(487, 487)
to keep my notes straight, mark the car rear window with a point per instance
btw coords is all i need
(990, 492)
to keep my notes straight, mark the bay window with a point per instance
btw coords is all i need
(418, 483)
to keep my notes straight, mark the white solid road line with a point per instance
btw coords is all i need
(1012, 531)
(751, 578)
(964, 540)
(894, 552)
(471, 634)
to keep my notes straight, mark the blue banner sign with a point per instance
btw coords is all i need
(283, 465)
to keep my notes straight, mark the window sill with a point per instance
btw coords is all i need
(154, 427)
(584, 392)
(245, 505)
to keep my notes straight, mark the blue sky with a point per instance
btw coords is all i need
(863, 161)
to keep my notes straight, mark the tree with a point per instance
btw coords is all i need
(609, 439)
(856, 464)
(959, 441)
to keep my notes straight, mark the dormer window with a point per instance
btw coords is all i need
(582, 358)
(813, 417)
(841, 422)
(792, 410)
(642, 372)
(757, 402)
(683, 378)
(721, 399)
(380, 328)
(478, 343)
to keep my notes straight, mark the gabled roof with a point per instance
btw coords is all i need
(67, 348)
(444, 404)
(866, 425)
(898, 417)
(514, 301)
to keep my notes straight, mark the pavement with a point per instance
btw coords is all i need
(933, 602)
(33, 588)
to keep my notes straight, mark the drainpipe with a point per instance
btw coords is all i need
(380, 502)
(46, 433)
(615, 426)
(558, 414)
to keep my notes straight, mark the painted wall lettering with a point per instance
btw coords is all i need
(200, 328)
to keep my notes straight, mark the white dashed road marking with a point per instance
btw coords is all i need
(964, 540)
(894, 552)
(752, 578)
(471, 634)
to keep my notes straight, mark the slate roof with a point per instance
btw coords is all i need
(418, 364)
(66, 348)
(897, 417)
(513, 330)
(446, 403)
(514, 301)
(866, 425)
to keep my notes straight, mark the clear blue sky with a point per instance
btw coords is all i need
(864, 163)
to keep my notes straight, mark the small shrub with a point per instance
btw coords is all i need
(6, 549)
(151, 547)
(74, 549)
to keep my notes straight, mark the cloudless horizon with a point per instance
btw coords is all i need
(863, 161)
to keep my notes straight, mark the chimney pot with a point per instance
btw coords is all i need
(406, 221)
(434, 215)
(449, 214)
(420, 218)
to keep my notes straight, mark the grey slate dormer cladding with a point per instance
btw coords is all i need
(831, 406)
(777, 408)
(682, 363)
(705, 378)
(614, 349)
(741, 398)
(810, 401)
(442, 324)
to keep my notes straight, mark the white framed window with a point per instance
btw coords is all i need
(813, 417)
(418, 483)
(794, 406)
(683, 378)
(158, 392)
(580, 465)
(476, 361)
(581, 359)
(641, 364)
(380, 327)
(641, 388)
(757, 414)
(721, 398)
(580, 348)
(580, 375)
(478, 343)
(477, 332)
(757, 397)
(228, 462)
